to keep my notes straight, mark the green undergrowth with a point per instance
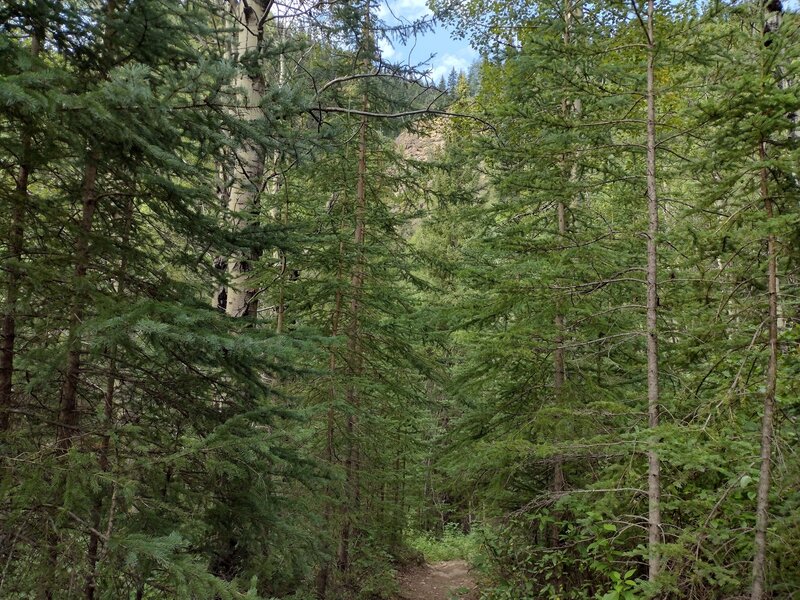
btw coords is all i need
(451, 544)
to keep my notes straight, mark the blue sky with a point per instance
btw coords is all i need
(448, 52)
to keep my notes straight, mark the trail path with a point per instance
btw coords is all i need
(449, 580)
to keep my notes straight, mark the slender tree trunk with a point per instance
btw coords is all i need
(15, 246)
(16, 240)
(772, 23)
(108, 416)
(352, 463)
(219, 298)
(103, 459)
(224, 175)
(68, 417)
(654, 467)
(560, 372)
(558, 388)
(560, 375)
(335, 317)
(283, 218)
(767, 422)
(248, 165)
(353, 460)
(323, 575)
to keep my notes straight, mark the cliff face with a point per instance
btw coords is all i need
(423, 144)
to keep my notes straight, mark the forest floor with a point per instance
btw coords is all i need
(448, 580)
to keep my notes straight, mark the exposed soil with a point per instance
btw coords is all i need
(449, 580)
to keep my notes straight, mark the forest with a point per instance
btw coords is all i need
(285, 319)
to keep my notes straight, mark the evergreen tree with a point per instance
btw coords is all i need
(452, 81)
(579, 274)
(143, 403)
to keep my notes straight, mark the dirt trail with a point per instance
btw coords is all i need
(449, 580)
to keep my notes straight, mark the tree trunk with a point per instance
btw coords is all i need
(561, 210)
(323, 575)
(352, 465)
(773, 13)
(767, 422)
(654, 467)
(108, 415)
(355, 366)
(283, 219)
(219, 298)
(560, 374)
(16, 240)
(68, 413)
(15, 244)
(248, 164)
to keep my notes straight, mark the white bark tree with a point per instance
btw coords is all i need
(248, 159)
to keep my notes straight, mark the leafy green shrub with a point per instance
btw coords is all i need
(453, 544)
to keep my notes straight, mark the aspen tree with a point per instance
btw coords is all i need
(248, 160)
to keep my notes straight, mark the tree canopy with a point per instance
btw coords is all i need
(282, 318)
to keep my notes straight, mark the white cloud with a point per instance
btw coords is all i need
(404, 10)
(387, 51)
(448, 62)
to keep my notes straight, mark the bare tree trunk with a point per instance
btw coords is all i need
(248, 166)
(654, 467)
(16, 240)
(224, 171)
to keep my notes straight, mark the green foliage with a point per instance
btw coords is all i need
(400, 381)
(452, 544)
(560, 473)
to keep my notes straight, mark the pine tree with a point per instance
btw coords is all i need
(653, 395)
(467, 337)
(149, 395)
(16, 235)
(452, 81)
